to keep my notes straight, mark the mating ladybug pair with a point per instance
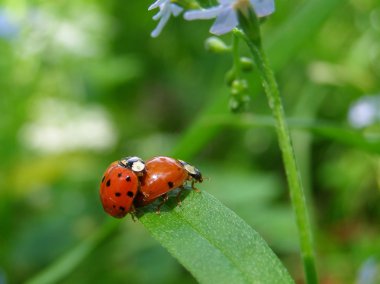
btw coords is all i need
(131, 183)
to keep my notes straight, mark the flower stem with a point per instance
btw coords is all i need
(236, 56)
(284, 139)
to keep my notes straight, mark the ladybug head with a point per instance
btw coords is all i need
(135, 164)
(192, 171)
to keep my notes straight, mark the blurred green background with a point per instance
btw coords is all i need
(82, 84)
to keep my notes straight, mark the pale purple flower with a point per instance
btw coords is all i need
(365, 111)
(8, 26)
(226, 15)
(166, 10)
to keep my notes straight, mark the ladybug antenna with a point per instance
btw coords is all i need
(192, 171)
(136, 164)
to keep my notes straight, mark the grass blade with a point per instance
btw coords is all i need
(364, 140)
(68, 262)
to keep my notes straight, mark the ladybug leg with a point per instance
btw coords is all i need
(133, 213)
(178, 196)
(193, 187)
(165, 198)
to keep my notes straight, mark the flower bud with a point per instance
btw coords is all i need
(246, 64)
(239, 104)
(238, 87)
(216, 45)
(230, 77)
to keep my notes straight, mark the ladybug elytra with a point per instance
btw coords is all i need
(119, 186)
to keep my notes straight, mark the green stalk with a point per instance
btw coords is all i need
(292, 173)
(251, 35)
(236, 56)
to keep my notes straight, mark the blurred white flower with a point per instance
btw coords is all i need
(61, 126)
(46, 31)
(226, 16)
(166, 10)
(364, 112)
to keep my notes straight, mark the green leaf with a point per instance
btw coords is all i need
(213, 243)
(369, 142)
(366, 140)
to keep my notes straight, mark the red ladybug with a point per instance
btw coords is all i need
(163, 174)
(119, 186)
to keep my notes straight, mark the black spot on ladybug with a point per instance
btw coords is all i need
(103, 178)
(128, 178)
(117, 194)
(130, 194)
(108, 182)
(113, 206)
(122, 208)
(119, 174)
(170, 184)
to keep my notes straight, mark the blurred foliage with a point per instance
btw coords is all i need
(82, 84)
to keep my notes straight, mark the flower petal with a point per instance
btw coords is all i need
(203, 14)
(226, 2)
(166, 10)
(157, 4)
(159, 14)
(175, 9)
(263, 7)
(161, 24)
(225, 22)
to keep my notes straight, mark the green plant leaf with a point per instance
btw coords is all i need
(213, 243)
(366, 140)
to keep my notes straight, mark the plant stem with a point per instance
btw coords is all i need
(236, 56)
(292, 173)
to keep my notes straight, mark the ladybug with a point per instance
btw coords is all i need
(119, 186)
(162, 175)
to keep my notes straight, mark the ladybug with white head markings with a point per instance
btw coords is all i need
(162, 175)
